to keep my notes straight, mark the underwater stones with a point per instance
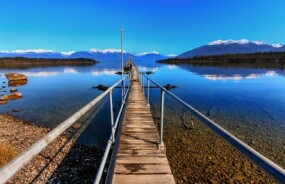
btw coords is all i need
(12, 96)
(13, 90)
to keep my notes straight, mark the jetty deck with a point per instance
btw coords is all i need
(139, 159)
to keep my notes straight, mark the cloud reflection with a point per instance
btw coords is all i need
(238, 77)
(104, 72)
(70, 70)
(41, 74)
(143, 68)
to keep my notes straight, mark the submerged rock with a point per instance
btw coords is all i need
(17, 83)
(12, 96)
(15, 76)
(3, 102)
(13, 90)
(15, 110)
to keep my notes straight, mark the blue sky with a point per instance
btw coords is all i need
(167, 26)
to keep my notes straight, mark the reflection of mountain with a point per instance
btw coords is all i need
(55, 71)
(216, 73)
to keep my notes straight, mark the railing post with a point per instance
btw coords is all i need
(112, 116)
(142, 85)
(161, 118)
(147, 91)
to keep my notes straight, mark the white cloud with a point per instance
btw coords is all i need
(145, 53)
(70, 70)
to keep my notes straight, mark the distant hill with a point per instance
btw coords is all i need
(221, 47)
(107, 55)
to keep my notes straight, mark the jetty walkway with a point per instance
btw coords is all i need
(139, 158)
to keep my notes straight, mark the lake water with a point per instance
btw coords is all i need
(250, 103)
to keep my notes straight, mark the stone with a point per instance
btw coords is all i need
(238, 176)
(15, 110)
(12, 96)
(15, 76)
(76, 125)
(17, 83)
(13, 90)
(3, 102)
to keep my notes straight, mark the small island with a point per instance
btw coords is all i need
(253, 60)
(23, 63)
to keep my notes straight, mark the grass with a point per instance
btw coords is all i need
(7, 153)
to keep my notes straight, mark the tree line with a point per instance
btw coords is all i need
(22, 62)
(254, 60)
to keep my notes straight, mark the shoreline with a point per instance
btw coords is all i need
(63, 160)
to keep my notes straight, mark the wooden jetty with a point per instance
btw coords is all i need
(139, 158)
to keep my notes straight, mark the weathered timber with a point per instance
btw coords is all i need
(139, 159)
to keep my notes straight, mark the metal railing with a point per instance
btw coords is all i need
(11, 168)
(270, 167)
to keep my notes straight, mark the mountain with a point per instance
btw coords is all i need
(107, 55)
(221, 47)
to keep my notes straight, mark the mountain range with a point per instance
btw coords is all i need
(99, 55)
(221, 47)
(218, 47)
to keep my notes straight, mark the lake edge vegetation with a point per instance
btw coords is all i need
(23, 62)
(253, 60)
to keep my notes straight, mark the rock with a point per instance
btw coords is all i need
(15, 76)
(17, 83)
(3, 102)
(238, 176)
(102, 87)
(13, 90)
(76, 125)
(15, 110)
(168, 86)
(12, 96)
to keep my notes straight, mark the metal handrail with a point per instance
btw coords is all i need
(111, 139)
(11, 168)
(269, 166)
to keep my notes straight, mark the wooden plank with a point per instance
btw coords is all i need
(138, 159)
(146, 179)
(143, 169)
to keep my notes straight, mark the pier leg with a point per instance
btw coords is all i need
(147, 91)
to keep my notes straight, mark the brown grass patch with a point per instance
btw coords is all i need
(7, 153)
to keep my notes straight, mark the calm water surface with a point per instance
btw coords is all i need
(241, 100)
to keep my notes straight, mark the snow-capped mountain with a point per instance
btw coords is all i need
(220, 47)
(97, 54)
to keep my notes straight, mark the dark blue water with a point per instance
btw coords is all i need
(250, 98)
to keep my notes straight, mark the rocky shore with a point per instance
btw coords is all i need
(63, 161)
(197, 155)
